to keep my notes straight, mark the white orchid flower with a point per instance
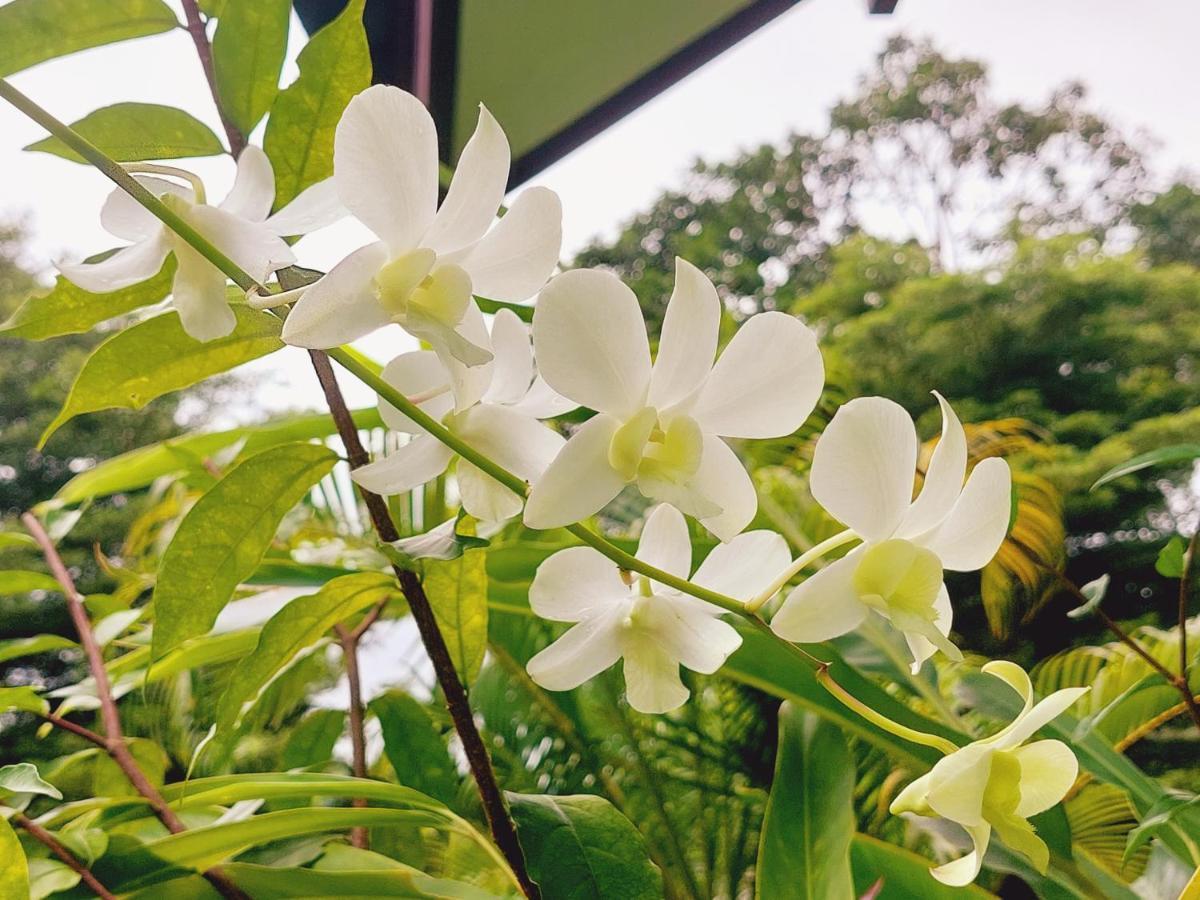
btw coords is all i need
(239, 227)
(862, 473)
(653, 627)
(428, 262)
(497, 411)
(999, 782)
(661, 426)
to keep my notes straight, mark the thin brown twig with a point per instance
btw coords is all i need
(114, 742)
(358, 739)
(195, 28)
(492, 798)
(67, 725)
(38, 833)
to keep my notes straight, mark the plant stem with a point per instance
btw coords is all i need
(804, 559)
(1185, 595)
(38, 833)
(358, 740)
(195, 27)
(909, 734)
(492, 798)
(67, 725)
(114, 740)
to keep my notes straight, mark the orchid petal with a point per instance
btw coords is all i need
(921, 647)
(690, 632)
(342, 305)
(914, 797)
(665, 543)
(385, 162)
(518, 443)
(127, 266)
(1042, 713)
(580, 481)
(1048, 769)
(724, 481)
(513, 261)
(416, 374)
(314, 207)
(419, 461)
(765, 383)
(745, 566)
(973, 531)
(127, 218)
(959, 782)
(512, 372)
(476, 190)
(583, 652)
(484, 497)
(251, 245)
(590, 342)
(825, 605)
(576, 583)
(543, 402)
(965, 869)
(652, 683)
(863, 466)
(253, 189)
(689, 338)
(198, 294)
(943, 479)
(469, 381)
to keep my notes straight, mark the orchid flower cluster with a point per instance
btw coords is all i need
(661, 423)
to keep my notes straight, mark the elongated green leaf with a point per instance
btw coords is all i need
(334, 66)
(68, 309)
(904, 874)
(580, 847)
(132, 132)
(139, 468)
(23, 778)
(157, 356)
(1177, 454)
(33, 31)
(49, 876)
(39, 643)
(313, 739)
(22, 699)
(1171, 808)
(223, 538)
(414, 747)
(14, 871)
(16, 581)
(400, 881)
(295, 630)
(248, 51)
(457, 591)
(225, 790)
(10, 539)
(804, 851)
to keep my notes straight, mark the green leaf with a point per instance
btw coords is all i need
(134, 132)
(39, 643)
(49, 876)
(334, 66)
(14, 581)
(23, 778)
(294, 631)
(225, 790)
(223, 537)
(33, 31)
(1175, 454)
(140, 468)
(580, 847)
(22, 699)
(443, 542)
(1169, 563)
(14, 871)
(157, 356)
(804, 851)
(400, 881)
(903, 873)
(313, 739)
(414, 747)
(248, 51)
(1167, 810)
(68, 309)
(457, 591)
(10, 539)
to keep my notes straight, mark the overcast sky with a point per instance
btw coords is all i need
(1139, 64)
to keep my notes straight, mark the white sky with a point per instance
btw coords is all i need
(1138, 62)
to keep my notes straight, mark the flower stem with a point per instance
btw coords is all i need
(40, 834)
(804, 559)
(902, 731)
(195, 28)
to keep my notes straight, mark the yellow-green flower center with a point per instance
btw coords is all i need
(643, 447)
(897, 576)
(414, 284)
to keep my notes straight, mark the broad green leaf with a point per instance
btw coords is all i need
(295, 630)
(225, 790)
(14, 871)
(87, 844)
(580, 847)
(33, 31)
(1169, 563)
(68, 309)
(133, 132)
(289, 573)
(49, 876)
(22, 699)
(248, 51)
(457, 590)
(223, 537)
(91, 773)
(39, 643)
(11, 539)
(16, 581)
(414, 747)
(904, 874)
(334, 66)
(139, 468)
(398, 881)
(1165, 811)
(23, 778)
(313, 739)
(804, 851)
(1177, 454)
(156, 357)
